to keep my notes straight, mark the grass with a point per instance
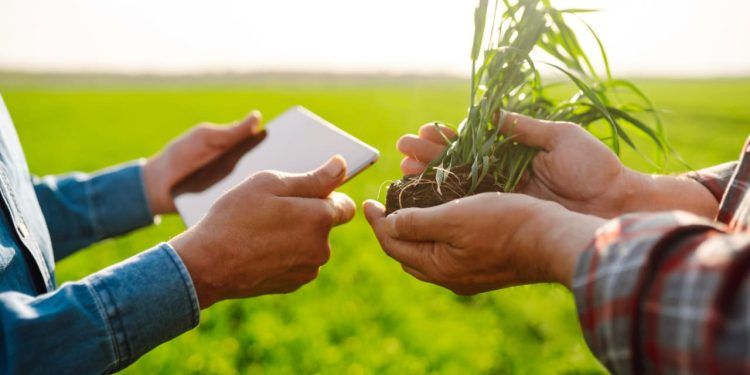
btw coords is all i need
(364, 314)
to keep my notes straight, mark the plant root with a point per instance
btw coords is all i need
(422, 190)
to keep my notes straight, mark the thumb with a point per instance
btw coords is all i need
(421, 224)
(528, 131)
(318, 183)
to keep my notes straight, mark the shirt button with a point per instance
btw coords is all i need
(23, 229)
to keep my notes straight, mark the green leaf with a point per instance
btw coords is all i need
(597, 102)
(480, 19)
(504, 77)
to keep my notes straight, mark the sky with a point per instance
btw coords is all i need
(643, 37)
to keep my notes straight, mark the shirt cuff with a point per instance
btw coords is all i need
(715, 179)
(118, 200)
(611, 272)
(146, 300)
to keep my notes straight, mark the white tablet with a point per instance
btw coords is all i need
(297, 141)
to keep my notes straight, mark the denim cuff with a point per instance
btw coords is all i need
(118, 200)
(146, 300)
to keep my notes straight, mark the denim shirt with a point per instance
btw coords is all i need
(105, 321)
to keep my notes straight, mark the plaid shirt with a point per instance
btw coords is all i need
(668, 292)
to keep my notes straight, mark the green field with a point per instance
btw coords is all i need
(363, 315)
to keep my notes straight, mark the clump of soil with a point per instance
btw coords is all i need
(422, 190)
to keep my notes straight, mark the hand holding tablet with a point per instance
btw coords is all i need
(297, 141)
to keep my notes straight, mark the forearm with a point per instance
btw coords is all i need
(559, 236)
(101, 323)
(653, 193)
(648, 273)
(82, 208)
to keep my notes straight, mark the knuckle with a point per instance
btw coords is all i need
(406, 143)
(426, 130)
(405, 222)
(568, 124)
(323, 217)
(309, 277)
(283, 206)
(266, 178)
(202, 129)
(265, 175)
(321, 256)
(311, 175)
(327, 218)
(565, 128)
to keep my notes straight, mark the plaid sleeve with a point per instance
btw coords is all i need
(666, 293)
(715, 179)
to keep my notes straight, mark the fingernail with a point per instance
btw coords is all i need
(259, 117)
(390, 226)
(334, 167)
(374, 210)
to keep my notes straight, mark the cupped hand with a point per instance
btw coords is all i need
(188, 153)
(267, 235)
(572, 167)
(485, 242)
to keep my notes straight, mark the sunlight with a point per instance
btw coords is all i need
(666, 37)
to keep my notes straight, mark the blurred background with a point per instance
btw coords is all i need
(655, 38)
(92, 83)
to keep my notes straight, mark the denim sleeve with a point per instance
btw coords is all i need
(81, 209)
(101, 323)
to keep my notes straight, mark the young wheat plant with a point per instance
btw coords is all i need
(505, 78)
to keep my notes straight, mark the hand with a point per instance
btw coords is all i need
(574, 169)
(188, 153)
(485, 242)
(267, 235)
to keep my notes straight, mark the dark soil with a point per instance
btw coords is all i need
(421, 191)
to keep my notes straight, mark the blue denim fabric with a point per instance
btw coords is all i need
(105, 321)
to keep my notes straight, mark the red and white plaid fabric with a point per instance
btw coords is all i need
(668, 292)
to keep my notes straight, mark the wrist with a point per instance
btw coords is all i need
(651, 193)
(157, 191)
(562, 235)
(636, 187)
(188, 246)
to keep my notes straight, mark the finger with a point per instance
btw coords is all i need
(249, 126)
(529, 131)
(315, 184)
(228, 136)
(410, 166)
(431, 133)
(334, 210)
(416, 273)
(341, 208)
(408, 253)
(304, 274)
(420, 149)
(422, 224)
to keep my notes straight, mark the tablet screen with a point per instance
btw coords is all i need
(297, 141)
